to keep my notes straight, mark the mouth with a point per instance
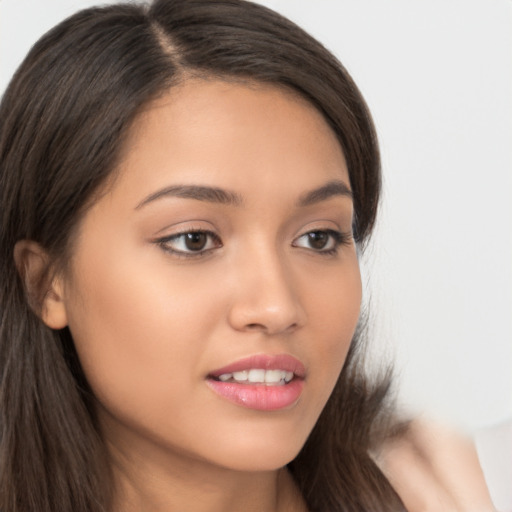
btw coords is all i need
(261, 382)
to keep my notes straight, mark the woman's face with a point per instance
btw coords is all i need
(221, 251)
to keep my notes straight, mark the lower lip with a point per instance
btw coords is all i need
(259, 396)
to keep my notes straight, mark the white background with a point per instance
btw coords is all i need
(437, 75)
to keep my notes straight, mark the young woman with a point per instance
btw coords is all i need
(185, 191)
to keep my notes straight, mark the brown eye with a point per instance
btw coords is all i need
(190, 243)
(195, 241)
(326, 241)
(318, 239)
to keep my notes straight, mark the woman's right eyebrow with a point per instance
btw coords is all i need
(199, 192)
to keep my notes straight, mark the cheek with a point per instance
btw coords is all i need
(343, 308)
(136, 335)
(335, 310)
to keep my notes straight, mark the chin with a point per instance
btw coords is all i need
(265, 451)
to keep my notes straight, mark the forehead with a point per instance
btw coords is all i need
(229, 134)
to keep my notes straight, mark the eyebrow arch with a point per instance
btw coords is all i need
(330, 189)
(199, 192)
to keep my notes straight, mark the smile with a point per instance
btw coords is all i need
(261, 382)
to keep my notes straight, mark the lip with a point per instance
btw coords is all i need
(261, 397)
(264, 362)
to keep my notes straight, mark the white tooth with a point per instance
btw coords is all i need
(240, 375)
(273, 376)
(225, 376)
(256, 376)
(288, 376)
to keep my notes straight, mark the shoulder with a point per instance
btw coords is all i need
(433, 467)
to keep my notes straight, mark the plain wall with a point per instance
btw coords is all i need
(437, 75)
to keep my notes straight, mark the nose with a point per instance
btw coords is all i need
(266, 296)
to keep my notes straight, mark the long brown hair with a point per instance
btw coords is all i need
(63, 120)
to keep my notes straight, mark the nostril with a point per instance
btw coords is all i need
(267, 329)
(255, 326)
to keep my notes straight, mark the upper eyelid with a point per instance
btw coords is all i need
(339, 234)
(164, 241)
(334, 231)
(178, 234)
(324, 222)
(187, 226)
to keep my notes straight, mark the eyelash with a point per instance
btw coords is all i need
(164, 243)
(338, 238)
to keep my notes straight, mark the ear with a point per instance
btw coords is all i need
(45, 292)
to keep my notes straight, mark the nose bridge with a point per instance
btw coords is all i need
(267, 296)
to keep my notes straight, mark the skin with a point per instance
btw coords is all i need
(150, 320)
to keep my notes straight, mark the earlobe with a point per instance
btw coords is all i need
(45, 292)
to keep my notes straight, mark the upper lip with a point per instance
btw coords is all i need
(284, 362)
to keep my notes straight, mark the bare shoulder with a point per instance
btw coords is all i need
(434, 467)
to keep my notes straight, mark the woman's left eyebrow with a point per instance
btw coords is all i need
(331, 189)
